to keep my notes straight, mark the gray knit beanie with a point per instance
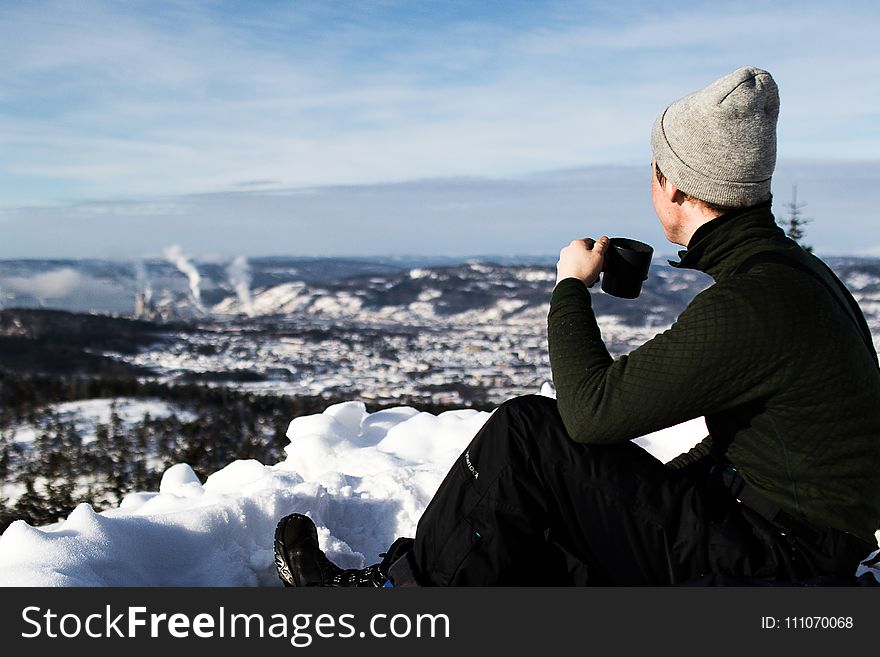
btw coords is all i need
(719, 144)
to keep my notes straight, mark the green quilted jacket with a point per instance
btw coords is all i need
(786, 382)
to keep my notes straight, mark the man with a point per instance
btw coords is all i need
(775, 355)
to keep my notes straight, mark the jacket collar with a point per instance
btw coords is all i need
(720, 245)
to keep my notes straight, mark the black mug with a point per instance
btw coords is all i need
(626, 267)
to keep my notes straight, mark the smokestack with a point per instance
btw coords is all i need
(240, 279)
(143, 298)
(174, 255)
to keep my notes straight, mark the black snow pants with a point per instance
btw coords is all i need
(525, 505)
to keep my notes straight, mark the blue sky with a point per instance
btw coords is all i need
(344, 128)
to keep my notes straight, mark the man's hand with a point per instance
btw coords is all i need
(582, 259)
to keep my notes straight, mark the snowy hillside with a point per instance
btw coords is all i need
(364, 478)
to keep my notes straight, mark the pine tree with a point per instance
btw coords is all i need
(102, 449)
(5, 460)
(794, 224)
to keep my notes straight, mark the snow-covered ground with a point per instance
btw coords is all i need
(88, 414)
(364, 478)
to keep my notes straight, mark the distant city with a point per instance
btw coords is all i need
(375, 329)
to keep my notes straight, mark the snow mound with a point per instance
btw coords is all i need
(364, 478)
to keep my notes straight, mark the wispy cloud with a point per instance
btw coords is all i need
(114, 100)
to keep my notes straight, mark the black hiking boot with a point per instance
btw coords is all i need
(301, 562)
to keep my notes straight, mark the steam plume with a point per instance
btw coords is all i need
(174, 255)
(55, 284)
(143, 282)
(239, 273)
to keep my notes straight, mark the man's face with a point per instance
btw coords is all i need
(655, 189)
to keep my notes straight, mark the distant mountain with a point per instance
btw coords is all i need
(369, 288)
(408, 288)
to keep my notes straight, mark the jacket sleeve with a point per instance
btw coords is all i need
(706, 362)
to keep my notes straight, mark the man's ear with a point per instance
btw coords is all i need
(673, 193)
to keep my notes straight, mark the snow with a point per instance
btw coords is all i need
(364, 478)
(87, 414)
(536, 276)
